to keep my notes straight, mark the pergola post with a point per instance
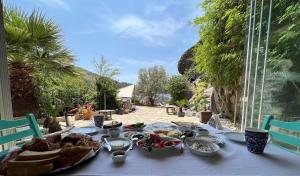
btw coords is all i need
(5, 95)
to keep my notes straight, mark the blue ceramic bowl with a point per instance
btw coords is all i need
(256, 140)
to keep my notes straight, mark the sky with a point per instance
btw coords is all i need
(130, 34)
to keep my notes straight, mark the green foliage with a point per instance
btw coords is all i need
(107, 90)
(151, 83)
(220, 54)
(34, 44)
(104, 69)
(199, 97)
(183, 103)
(35, 41)
(57, 93)
(177, 86)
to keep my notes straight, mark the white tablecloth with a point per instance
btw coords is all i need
(233, 159)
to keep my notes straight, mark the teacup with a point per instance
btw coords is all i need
(99, 119)
(256, 140)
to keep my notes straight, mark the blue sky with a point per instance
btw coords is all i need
(130, 34)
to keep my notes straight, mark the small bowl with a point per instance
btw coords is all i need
(119, 156)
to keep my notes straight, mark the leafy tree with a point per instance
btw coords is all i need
(107, 90)
(34, 46)
(177, 86)
(220, 54)
(152, 83)
(104, 69)
(106, 87)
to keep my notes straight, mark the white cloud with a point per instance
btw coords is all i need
(150, 9)
(155, 32)
(143, 63)
(56, 3)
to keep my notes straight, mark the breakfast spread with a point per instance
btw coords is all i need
(43, 156)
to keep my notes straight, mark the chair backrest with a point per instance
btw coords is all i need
(11, 124)
(276, 135)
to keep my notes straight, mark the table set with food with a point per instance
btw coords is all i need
(175, 148)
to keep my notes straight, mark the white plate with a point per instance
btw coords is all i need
(166, 148)
(215, 148)
(235, 136)
(86, 130)
(118, 143)
(160, 126)
(88, 156)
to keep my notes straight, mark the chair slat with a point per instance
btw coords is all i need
(7, 124)
(16, 136)
(285, 138)
(292, 126)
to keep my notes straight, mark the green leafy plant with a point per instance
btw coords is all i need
(177, 86)
(183, 103)
(220, 54)
(151, 83)
(34, 46)
(200, 100)
(106, 93)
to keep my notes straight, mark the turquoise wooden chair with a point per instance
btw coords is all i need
(277, 136)
(12, 124)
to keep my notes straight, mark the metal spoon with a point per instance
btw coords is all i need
(107, 144)
(183, 137)
(133, 142)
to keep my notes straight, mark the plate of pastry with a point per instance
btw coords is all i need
(50, 155)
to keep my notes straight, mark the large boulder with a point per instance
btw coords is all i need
(186, 64)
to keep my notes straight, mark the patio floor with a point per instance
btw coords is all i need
(149, 115)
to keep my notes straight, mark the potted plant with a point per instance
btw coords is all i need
(120, 105)
(182, 104)
(86, 111)
(204, 114)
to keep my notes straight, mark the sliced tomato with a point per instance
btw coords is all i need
(156, 145)
(168, 143)
(176, 142)
(141, 143)
(155, 138)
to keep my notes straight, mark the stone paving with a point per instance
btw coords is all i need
(144, 114)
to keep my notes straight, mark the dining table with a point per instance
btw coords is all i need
(232, 159)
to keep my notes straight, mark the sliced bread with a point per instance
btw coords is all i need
(32, 155)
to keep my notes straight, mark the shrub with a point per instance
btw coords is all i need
(177, 86)
(107, 90)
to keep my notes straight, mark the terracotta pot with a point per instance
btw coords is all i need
(205, 116)
(87, 115)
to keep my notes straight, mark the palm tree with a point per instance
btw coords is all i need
(34, 46)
